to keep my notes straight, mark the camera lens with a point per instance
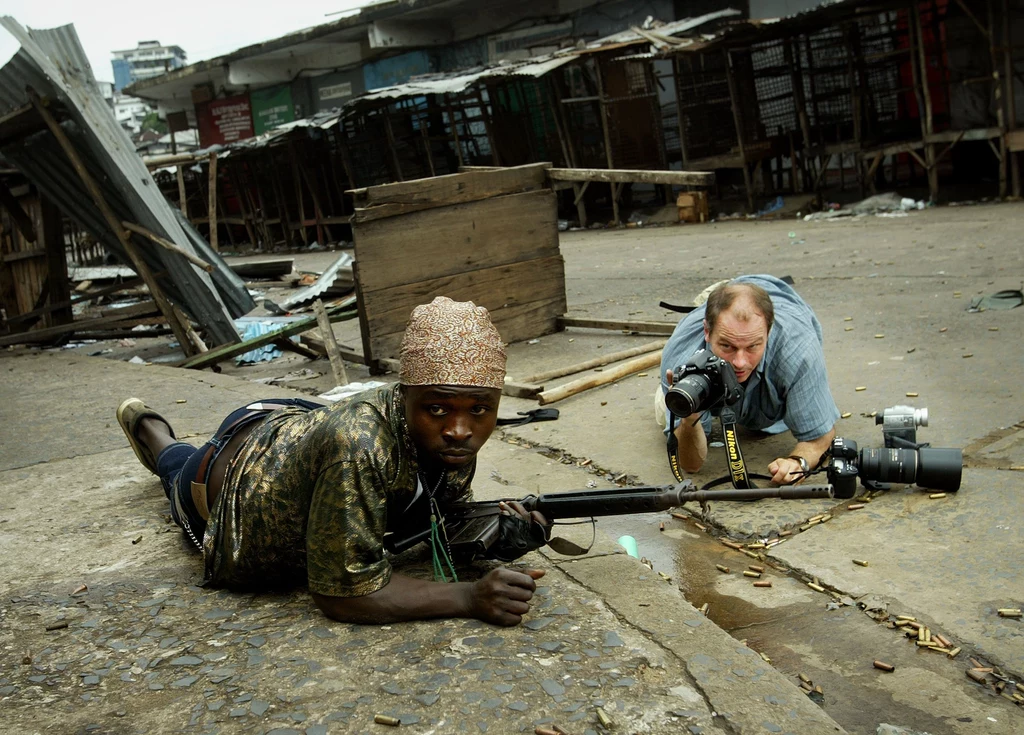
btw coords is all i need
(889, 465)
(931, 467)
(940, 468)
(685, 397)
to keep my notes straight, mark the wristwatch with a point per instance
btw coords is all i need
(804, 467)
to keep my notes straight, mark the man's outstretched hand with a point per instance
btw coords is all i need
(502, 596)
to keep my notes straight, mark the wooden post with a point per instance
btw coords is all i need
(679, 112)
(929, 147)
(1011, 99)
(568, 152)
(737, 120)
(495, 158)
(455, 132)
(607, 137)
(330, 343)
(244, 202)
(391, 144)
(298, 193)
(182, 198)
(166, 308)
(426, 146)
(856, 82)
(317, 211)
(212, 201)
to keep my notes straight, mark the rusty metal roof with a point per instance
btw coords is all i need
(53, 64)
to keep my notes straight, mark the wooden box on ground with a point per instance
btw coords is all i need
(490, 237)
(693, 206)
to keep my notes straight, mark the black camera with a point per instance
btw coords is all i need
(931, 467)
(704, 382)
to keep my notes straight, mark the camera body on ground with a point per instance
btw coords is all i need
(901, 460)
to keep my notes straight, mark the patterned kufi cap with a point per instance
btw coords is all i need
(452, 343)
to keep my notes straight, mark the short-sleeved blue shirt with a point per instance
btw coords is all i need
(790, 384)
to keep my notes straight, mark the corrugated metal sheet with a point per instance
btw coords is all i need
(53, 63)
(453, 83)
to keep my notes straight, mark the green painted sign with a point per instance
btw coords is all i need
(271, 107)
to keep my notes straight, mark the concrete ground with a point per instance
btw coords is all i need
(145, 650)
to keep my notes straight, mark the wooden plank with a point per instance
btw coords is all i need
(493, 288)
(168, 245)
(21, 220)
(514, 324)
(48, 333)
(449, 240)
(596, 362)
(621, 175)
(339, 313)
(592, 381)
(1015, 140)
(649, 327)
(211, 206)
(388, 200)
(330, 343)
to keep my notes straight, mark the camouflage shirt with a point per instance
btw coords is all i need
(310, 494)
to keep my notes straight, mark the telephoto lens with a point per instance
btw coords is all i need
(931, 467)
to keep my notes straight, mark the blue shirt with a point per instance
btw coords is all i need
(789, 384)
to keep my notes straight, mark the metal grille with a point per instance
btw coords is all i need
(773, 82)
(704, 105)
(827, 79)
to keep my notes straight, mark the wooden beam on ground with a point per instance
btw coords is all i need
(43, 311)
(168, 245)
(620, 175)
(521, 389)
(112, 220)
(635, 365)
(613, 324)
(50, 333)
(345, 310)
(330, 343)
(596, 362)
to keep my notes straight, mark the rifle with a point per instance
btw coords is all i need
(473, 528)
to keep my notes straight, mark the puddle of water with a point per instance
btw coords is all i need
(689, 557)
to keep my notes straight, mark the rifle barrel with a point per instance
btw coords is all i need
(624, 501)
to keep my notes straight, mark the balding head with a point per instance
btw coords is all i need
(745, 301)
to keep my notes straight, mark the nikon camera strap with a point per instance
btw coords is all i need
(738, 475)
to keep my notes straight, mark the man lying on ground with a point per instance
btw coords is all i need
(772, 339)
(288, 490)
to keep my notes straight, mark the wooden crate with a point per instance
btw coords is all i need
(33, 268)
(487, 236)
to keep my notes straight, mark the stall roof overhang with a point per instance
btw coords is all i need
(175, 87)
(748, 32)
(53, 64)
(535, 67)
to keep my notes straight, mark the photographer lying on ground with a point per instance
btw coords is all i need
(289, 490)
(770, 336)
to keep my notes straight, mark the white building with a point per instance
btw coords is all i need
(130, 112)
(150, 59)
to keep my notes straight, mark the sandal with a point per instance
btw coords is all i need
(129, 414)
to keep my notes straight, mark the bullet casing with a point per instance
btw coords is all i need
(387, 720)
(882, 665)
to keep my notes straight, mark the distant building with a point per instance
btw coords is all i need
(149, 60)
(130, 112)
